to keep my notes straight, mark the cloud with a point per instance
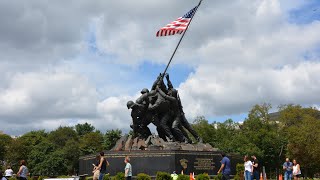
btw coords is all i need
(234, 91)
(47, 95)
(64, 63)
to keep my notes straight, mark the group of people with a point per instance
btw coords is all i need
(162, 107)
(8, 173)
(100, 167)
(251, 168)
(291, 169)
(22, 174)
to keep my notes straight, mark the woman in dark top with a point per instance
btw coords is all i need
(96, 171)
(102, 166)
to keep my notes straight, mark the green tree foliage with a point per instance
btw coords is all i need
(143, 176)
(38, 157)
(111, 137)
(203, 176)
(17, 151)
(163, 176)
(205, 130)
(57, 152)
(256, 136)
(71, 153)
(183, 177)
(294, 133)
(55, 164)
(91, 142)
(263, 135)
(60, 136)
(83, 129)
(31, 139)
(224, 131)
(5, 141)
(302, 127)
(119, 176)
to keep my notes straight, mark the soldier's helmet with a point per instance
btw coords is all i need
(144, 90)
(174, 92)
(130, 104)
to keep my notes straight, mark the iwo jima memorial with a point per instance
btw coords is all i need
(171, 149)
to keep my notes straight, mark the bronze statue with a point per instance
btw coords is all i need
(162, 107)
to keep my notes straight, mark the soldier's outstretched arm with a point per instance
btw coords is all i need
(170, 98)
(157, 81)
(169, 84)
(142, 98)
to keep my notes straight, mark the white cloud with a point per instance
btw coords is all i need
(37, 95)
(243, 53)
(213, 92)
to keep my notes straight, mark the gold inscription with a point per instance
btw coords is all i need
(204, 164)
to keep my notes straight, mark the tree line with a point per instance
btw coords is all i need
(56, 152)
(294, 132)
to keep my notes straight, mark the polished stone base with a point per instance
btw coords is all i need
(150, 162)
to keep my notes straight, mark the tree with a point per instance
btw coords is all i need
(302, 129)
(55, 164)
(17, 150)
(71, 154)
(38, 156)
(111, 137)
(205, 130)
(83, 129)
(60, 136)
(5, 141)
(91, 143)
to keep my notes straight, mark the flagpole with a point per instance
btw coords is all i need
(174, 52)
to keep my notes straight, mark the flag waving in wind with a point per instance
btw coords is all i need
(177, 26)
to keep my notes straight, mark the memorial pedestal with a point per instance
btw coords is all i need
(150, 162)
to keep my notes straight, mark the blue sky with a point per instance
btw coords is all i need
(64, 63)
(307, 13)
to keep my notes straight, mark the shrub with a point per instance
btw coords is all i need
(40, 177)
(142, 176)
(12, 178)
(119, 176)
(218, 177)
(240, 171)
(203, 176)
(89, 178)
(236, 177)
(107, 177)
(183, 177)
(163, 176)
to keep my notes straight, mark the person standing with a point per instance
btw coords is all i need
(247, 168)
(225, 167)
(296, 170)
(287, 167)
(96, 171)
(102, 166)
(23, 171)
(1, 176)
(8, 173)
(255, 168)
(128, 168)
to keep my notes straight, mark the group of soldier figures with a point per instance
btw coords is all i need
(162, 107)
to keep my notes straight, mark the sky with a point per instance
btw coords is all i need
(69, 62)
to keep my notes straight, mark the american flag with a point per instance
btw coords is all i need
(177, 26)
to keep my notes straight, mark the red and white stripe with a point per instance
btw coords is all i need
(175, 27)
